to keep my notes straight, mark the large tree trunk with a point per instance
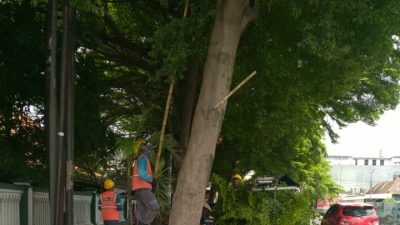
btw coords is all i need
(231, 18)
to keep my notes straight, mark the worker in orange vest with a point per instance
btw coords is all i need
(143, 181)
(110, 203)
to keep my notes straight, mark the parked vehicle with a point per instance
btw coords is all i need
(350, 214)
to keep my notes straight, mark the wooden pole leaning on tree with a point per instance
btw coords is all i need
(164, 124)
(166, 112)
(235, 89)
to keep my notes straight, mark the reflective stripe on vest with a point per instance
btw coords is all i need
(108, 201)
(137, 182)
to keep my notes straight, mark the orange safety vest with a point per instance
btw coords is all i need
(108, 201)
(137, 182)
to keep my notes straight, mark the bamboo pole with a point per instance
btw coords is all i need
(235, 89)
(164, 124)
(166, 112)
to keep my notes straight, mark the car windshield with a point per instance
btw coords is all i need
(358, 211)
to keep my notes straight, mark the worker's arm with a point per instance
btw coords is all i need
(99, 206)
(142, 169)
(120, 205)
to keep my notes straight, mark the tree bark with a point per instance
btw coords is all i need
(231, 18)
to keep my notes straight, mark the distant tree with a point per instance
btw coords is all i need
(21, 83)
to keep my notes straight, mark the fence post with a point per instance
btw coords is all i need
(25, 206)
(93, 209)
(123, 213)
(126, 209)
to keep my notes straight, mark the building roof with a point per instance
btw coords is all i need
(340, 156)
(392, 187)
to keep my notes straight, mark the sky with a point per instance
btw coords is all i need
(360, 139)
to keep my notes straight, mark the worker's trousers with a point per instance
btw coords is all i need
(147, 206)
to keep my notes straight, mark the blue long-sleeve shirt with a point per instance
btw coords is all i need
(142, 169)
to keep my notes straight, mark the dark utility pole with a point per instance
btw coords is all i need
(52, 113)
(61, 118)
(69, 61)
(66, 120)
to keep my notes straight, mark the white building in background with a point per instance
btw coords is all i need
(359, 174)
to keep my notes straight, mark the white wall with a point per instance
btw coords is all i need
(38, 208)
(361, 178)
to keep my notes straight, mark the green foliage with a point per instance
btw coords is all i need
(163, 190)
(317, 62)
(95, 140)
(172, 56)
(190, 33)
(170, 144)
(389, 200)
(316, 65)
(166, 180)
(93, 6)
(241, 205)
(22, 56)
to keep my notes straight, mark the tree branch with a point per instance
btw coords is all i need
(121, 37)
(250, 13)
(124, 60)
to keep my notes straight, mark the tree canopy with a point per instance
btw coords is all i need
(305, 83)
(318, 64)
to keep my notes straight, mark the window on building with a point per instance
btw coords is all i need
(382, 162)
(374, 162)
(366, 162)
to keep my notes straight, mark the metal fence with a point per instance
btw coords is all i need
(389, 213)
(9, 206)
(40, 209)
(23, 205)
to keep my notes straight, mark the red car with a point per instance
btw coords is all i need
(350, 214)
